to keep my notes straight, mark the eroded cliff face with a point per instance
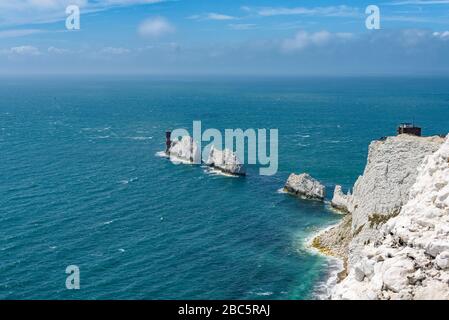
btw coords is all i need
(383, 189)
(378, 194)
(410, 258)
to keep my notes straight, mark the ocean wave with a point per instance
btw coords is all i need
(281, 190)
(261, 293)
(216, 172)
(139, 138)
(103, 129)
(172, 158)
(161, 154)
(129, 180)
(323, 288)
(267, 293)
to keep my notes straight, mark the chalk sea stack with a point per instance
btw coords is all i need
(225, 161)
(304, 186)
(340, 201)
(184, 150)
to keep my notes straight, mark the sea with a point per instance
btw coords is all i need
(81, 182)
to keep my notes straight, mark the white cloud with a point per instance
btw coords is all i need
(17, 12)
(442, 35)
(219, 16)
(14, 33)
(212, 16)
(418, 2)
(115, 51)
(331, 11)
(242, 26)
(25, 50)
(155, 27)
(305, 39)
(54, 50)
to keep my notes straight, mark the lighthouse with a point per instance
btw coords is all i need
(167, 141)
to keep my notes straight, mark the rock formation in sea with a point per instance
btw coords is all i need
(184, 150)
(410, 257)
(305, 186)
(225, 161)
(340, 201)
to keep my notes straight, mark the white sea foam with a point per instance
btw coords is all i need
(172, 158)
(323, 288)
(217, 172)
(267, 293)
(281, 190)
(161, 154)
(140, 138)
(334, 266)
(129, 180)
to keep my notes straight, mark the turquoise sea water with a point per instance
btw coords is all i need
(80, 182)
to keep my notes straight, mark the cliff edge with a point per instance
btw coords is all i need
(378, 195)
(410, 259)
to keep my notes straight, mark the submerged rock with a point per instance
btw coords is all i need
(225, 161)
(305, 186)
(184, 150)
(340, 201)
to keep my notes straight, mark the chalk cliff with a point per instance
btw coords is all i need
(378, 196)
(384, 187)
(410, 257)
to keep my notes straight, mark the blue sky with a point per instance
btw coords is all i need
(276, 37)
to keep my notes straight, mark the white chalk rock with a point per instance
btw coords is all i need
(340, 201)
(185, 150)
(225, 161)
(305, 186)
(395, 273)
(412, 253)
(359, 275)
(442, 260)
(432, 290)
(436, 247)
(384, 187)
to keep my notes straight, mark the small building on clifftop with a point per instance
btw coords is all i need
(409, 128)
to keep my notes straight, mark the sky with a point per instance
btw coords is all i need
(225, 37)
